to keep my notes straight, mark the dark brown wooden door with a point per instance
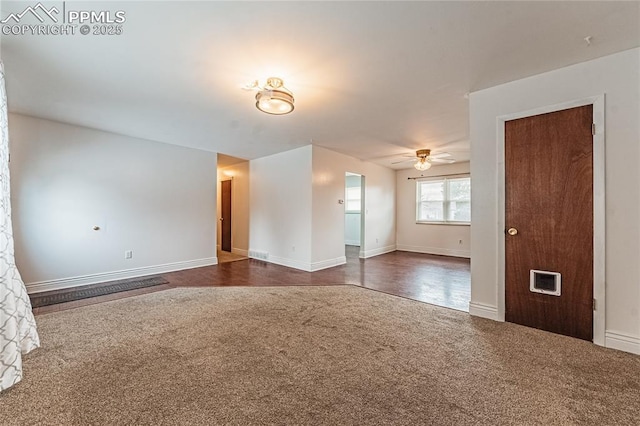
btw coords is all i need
(549, 201)
(225, 206)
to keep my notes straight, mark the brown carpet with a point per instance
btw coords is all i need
(310, 355)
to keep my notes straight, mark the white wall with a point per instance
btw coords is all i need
(280, 200)
(616, 76)
(239, 175)
(422, 237)
(155, 199)
(295, 214)
(329, 170)
(352, 222)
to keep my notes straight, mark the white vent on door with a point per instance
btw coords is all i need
(545, 282)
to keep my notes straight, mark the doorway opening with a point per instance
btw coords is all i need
(226, 253)
(354, 214)
(232, 207)
(225, 216)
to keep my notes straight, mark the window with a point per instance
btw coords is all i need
(353, 197)
(444, 200)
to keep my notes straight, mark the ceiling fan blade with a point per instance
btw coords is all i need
(390, 157)
(440, 155)
(442, 161)
(404, 161)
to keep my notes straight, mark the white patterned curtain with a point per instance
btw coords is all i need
(18, 334)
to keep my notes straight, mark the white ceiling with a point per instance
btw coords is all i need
(374, 80)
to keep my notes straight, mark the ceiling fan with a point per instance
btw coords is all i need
(424, 159)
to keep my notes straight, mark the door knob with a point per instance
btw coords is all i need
(512, 231)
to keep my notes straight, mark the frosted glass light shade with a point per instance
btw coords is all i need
(422, 165)
(274, 102)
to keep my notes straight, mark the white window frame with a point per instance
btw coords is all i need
(445, 202)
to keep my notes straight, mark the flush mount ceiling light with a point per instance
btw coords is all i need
(273, 98)
(423, 162)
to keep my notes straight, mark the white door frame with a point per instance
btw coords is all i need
(598, 205)
(363, 217)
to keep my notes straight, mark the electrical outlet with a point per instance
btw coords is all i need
(128, 254)
(459, 241)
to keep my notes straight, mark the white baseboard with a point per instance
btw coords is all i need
(303, 266)
(622, 342)
(614, 340)
(436, 250)
(57, 284)
(289, 263)
(329, 263)
(365, 254)
(241, 252)
(484, 311)
(352, 242)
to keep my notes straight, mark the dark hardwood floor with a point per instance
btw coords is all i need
(439, 280)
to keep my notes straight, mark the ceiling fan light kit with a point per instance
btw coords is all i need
(422, 164)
